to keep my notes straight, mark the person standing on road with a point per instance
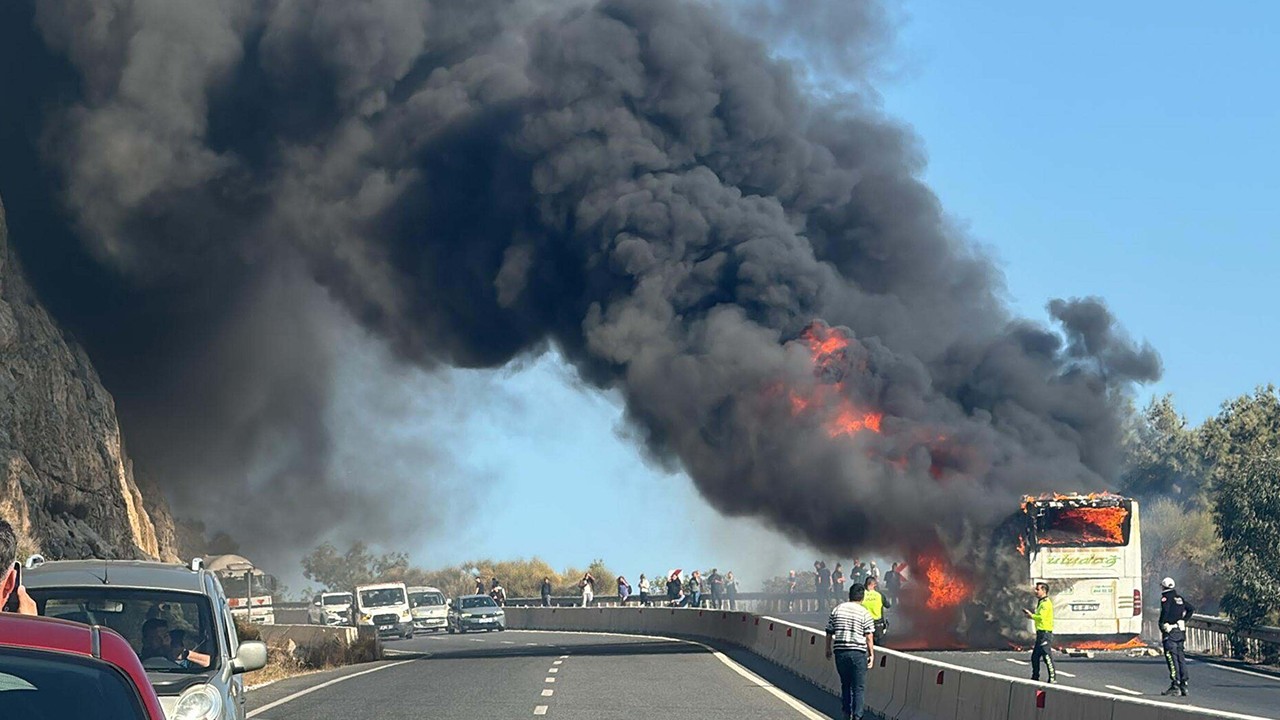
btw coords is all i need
(892, 584)
(791, 590)
(821, 582)
(837, 583)
(644, 591)
(9, 583)
(850, 640)
(693, 591)
(673, 588)
(1043, 618)
(498, 593)
(588, 586)
(1174, 611)
(715, 583)
(624, 590)
(479, 586)
(874, 603)
(731, 590)
(546, 592)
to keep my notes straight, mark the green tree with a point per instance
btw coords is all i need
(1164, 457)
(1182, 543)
(1247, 509)
(343, 571)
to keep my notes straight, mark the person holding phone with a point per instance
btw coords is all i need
(13, 597)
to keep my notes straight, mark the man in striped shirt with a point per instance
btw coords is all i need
(850, 630)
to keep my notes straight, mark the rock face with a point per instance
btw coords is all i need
(66, 483)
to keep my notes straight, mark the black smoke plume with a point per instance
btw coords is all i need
(200, 187)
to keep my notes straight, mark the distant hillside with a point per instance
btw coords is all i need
(66, 482)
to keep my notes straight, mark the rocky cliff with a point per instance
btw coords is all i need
(66, 483)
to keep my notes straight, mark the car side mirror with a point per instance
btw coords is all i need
(251, 656)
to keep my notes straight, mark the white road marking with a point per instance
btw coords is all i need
(308, 691)
(1064, 673)
(562, 657)
(557, 662)
(551, 679)
(507, 642)
(756, 680)
(476, 640)
(540, 710)
(1117, 688)
(548, 692)
(554, 670)
(1020, 662)
(532, 644)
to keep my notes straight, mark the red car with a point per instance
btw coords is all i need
(53, 669)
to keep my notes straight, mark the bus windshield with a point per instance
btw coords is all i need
(1082, 526)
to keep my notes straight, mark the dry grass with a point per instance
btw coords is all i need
(288, 660)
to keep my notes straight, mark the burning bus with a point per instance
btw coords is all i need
(1088, 549)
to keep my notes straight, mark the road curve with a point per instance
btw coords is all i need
(516, 674)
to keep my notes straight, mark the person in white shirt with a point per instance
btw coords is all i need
(850, 641)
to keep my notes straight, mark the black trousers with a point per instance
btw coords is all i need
(1044, 639)
(1175, 657)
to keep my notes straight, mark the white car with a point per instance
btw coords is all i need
(330, 608)
(428, 608)
(384, 606)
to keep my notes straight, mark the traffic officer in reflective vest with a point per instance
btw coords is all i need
(874, 603)
(1174, 611)
(1043, 617)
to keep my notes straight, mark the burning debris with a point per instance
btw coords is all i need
(1097, 519)
(631, 182)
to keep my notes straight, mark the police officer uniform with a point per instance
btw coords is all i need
(1174, 611)
(1043, 617)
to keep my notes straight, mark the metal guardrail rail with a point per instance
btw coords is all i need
(1210, 635)
(756, 602)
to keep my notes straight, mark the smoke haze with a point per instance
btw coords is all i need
(634, 182)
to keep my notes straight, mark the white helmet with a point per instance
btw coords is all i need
(1167, 583)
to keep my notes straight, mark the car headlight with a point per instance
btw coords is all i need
(404, 615)
(366, 617)
(200, 702)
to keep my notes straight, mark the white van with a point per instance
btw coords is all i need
(384, 606)
(428, 608)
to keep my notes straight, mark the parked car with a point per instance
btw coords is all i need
(386, 607)
(175, 617)
(476, 612)
(52, 669)
(429, 610)
(330, 608)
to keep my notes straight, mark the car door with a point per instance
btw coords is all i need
(231, 640)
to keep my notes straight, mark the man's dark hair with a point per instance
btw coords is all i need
(871, 580)
(857, 593)
(8, 546)
(153, 623)
(1043, 585)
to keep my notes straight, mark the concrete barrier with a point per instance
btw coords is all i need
(899, 687)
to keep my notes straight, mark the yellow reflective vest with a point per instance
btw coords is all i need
(1043, 616)
(874, 603)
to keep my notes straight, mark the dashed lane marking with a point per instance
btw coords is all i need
(1117, 688)
(548, 692)
(1064, 673)
(532, 644)
(507, 642)
(557, 662)
(554, 670)
(551, 679)
(540, 710)
(308, 691)
(1020, 662)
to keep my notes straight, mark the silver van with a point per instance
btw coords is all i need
(176, 617)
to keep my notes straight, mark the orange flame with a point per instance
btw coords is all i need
(1104, 524)
(1131, 643)
(827, 348)
(945, 588)
(1022, 546)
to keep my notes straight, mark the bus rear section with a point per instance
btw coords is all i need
(1088, 549)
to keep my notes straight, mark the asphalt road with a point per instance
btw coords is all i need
(1218, 686)
(518, 674)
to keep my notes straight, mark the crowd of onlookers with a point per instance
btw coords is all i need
(830, 582)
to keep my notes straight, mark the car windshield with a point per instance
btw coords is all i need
(339, 599)
(36, 684)
(476, 602)
(381, 597)
(425, 599)
(172, 632)
(237, 586)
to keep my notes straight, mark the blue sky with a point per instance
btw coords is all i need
(1126, 150)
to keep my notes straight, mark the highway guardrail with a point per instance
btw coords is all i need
(899, 687)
